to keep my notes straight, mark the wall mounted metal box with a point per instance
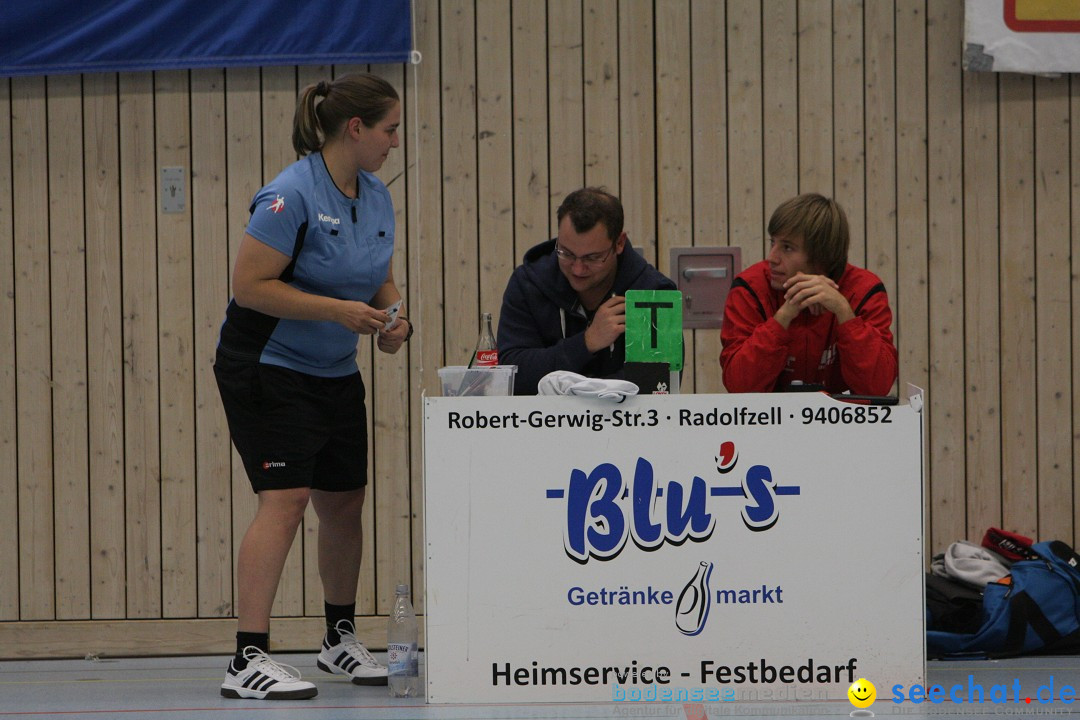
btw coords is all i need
(704, 276)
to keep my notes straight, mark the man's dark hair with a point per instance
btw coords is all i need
(591, 205)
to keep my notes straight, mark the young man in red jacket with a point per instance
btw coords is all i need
(804, 314)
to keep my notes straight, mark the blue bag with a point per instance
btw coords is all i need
(1033, 610)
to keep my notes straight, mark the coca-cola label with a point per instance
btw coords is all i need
(487, 358)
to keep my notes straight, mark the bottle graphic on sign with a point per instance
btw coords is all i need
(692, 608)
(486, 354)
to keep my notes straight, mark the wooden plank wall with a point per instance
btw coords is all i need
(122, 500)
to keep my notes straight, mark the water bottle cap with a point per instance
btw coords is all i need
(402, 589)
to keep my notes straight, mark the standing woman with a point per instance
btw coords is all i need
(312, 273)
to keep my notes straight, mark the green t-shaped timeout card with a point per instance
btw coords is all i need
(654, 331)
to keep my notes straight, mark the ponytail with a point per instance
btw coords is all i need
(362, 95)
(306, 128)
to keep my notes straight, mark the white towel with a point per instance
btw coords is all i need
(564, 382)
(972, 564)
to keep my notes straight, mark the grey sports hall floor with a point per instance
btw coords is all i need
(187, 689)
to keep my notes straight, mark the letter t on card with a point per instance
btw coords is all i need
(654, 331)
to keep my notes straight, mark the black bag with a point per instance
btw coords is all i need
(952, 606)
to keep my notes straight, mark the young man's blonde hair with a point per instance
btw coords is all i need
(823, 227)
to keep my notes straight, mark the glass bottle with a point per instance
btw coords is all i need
(486, 354)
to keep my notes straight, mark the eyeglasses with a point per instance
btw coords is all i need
(590, 260)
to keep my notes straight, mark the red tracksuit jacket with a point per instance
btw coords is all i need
(759, 355)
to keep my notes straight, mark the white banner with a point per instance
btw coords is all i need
(681, 547)
(1032, 36)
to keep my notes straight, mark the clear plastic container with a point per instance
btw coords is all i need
(460, 381)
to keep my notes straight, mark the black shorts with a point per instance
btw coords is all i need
(292, 429)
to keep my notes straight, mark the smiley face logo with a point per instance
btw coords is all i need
(862, 693)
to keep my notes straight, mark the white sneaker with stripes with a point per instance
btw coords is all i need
(265, 679)
(351, 658)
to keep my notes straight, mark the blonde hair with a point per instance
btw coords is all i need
(823, 226)
(362, 95)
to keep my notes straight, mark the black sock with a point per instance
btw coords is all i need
(335, 613)
(243, 639)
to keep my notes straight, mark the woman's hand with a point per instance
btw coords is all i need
(390, 340)
(361, 318)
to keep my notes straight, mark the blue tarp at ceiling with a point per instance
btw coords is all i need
(41, 37)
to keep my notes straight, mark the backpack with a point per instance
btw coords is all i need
(1033, 610)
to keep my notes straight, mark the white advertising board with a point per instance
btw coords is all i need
(701, 547)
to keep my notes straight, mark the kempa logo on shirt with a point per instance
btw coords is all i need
(273, 464)
(278, 205)
(328, 219)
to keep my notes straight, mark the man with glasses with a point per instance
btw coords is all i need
(564, 307)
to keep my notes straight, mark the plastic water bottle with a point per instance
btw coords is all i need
(486, 354)
(402, 635)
